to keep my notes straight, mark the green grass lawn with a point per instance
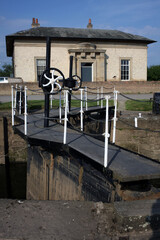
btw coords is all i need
(39, 104)
(138, 106)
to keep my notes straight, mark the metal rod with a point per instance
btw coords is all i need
(86, 98)
(136, 122)
(65, 119)
(70, 77)
(25, 110)
(97, 96)
(64, 98)
(115, 116)
(12, 99)
(101, 97)
(60, 108)
(15, 100)
(106, 134)
(81, 111)
(20, 100)
(69, 100)
(46, 108)
(71, 67)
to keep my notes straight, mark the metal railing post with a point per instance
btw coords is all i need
(15, 99)
(64, 98)
(65, 118)
(136, 122)
(20, 100)
(97, 96)
(86, 98)
(81, 110)
(60, 108)
(12, 99)
(101, 96)
(107, 135)
(25, 110)
(115, 116)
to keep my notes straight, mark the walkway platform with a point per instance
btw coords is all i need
(125, 166)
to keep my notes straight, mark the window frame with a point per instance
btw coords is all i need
(126, 71)
(43, 67)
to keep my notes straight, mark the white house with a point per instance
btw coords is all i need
(99, 55)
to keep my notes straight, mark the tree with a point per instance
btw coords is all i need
(153, 73)
(6, 70)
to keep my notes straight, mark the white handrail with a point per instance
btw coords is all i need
(81, 110)
(97, 96)
(20, 100)
(115, 116)
(65, 118)
(60, 108)
(101, 96)
(107, 135)
(86, 98)
(25, 110)
(12, 99)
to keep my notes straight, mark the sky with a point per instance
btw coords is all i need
(140, 17)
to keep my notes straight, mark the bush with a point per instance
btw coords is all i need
(153, 73)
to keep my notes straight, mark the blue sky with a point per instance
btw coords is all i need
(140, 17)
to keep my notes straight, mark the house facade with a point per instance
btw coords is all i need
(98, 55)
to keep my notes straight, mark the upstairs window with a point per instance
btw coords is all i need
(41, 66)
(125, 69)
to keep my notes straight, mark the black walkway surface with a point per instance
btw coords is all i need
(126, 166)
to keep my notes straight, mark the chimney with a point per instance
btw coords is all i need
(35, 23)
(89, 24)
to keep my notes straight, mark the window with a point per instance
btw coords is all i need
(125, 69)
(86, 72)
(41, 66)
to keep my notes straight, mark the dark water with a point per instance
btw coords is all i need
(13, 182)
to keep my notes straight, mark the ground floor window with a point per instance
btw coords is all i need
(86, 72)
(41, 66)
(125, 69)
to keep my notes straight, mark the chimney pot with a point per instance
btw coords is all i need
(35, 23)
(89, 24)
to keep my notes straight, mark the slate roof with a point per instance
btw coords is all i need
(74, 34)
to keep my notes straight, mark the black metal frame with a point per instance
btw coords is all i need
(72, 83)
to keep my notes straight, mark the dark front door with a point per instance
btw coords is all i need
(86, 72)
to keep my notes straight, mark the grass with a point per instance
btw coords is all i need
(39, 104)
(5, 106)
(138, 106)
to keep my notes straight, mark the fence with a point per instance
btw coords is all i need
(97, 96)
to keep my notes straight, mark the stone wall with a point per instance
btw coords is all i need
(145, 142)
(17, 145)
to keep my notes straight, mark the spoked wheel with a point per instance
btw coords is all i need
(52, 82)
(78, 82)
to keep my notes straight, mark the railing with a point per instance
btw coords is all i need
(83, 103)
